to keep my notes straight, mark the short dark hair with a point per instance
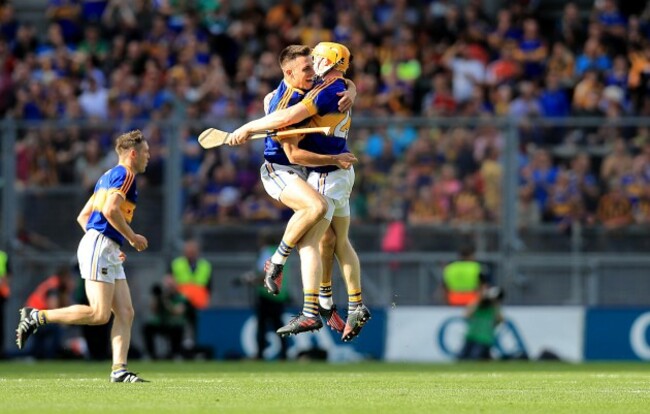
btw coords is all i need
(128, 140)
(292, 52)
(466, 250)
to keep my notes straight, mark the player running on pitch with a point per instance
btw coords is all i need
(105, 218)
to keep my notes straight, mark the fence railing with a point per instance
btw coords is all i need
(578, 259)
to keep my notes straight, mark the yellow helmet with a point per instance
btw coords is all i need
(330, 55)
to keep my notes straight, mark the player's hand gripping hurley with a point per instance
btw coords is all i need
(211, 137)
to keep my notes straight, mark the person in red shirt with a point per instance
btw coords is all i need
(52, 293)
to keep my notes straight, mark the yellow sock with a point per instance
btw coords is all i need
(354, 299)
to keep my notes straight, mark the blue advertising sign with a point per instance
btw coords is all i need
(231, 333)
(617, 334)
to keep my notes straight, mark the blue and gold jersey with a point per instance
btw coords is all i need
(121, 180)
(322, 104)
(285, 96)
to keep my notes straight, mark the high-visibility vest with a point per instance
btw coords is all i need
(462, 279)
(4, 280)
(38, 298)
(193, 285)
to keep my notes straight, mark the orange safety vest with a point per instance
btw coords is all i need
(38, 298)
(462, 279)
(461, 298)
(193, 284)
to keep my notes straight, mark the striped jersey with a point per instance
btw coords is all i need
(322, 104)
(118, 179)
(285, 96)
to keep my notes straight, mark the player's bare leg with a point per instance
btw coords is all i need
(98, 312)
(309, 207)
(327, 307)
(121, 333)
(312, 271)
(358, 313)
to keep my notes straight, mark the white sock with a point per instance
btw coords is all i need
(325, 303)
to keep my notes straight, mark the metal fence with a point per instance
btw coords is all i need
(537, 265)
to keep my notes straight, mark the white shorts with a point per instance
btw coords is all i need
(99, 258)
(276, 177)
(335, 186)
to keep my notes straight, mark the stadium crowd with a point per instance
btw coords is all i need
(136, 63)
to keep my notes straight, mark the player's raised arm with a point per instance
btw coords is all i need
(275, 120)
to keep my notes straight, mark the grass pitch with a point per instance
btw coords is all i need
(252, 387)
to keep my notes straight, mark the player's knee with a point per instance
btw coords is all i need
(319, 209)
(100, 317)
(328, 241)
(126, 314)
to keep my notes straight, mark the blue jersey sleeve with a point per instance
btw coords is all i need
(323, 98)
(120, 181)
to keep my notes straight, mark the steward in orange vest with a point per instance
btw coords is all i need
(192, 275)
(463, 280)
(53, 292)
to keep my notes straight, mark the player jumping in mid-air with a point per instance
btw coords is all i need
(105, 218)
(286, 181)
(331, 60)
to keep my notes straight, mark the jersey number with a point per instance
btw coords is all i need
(343, 127)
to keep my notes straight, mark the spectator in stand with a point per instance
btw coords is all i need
(586, 183)
(561, 63)
(554, 99)
(66, 14)
(501, 99)
(467, 70)
(593, 57)
(526, 104)
(614, 209)
(467, 205)
(564, 204)
(145, 62)
(570, 29)
(618, 75)
(613, 22)
(540, 175)
(492, 175)
(588, 89)
(505, 31)
(529, 213)
(440, 101)
(427, 208)
(93, 44)
(616, 162)
(89, 167)
(506, 69)
(532, 51)
(639, 74)
(94, 99)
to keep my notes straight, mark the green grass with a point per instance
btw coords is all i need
(310, 388)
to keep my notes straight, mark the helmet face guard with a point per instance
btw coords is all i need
(328, 56)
